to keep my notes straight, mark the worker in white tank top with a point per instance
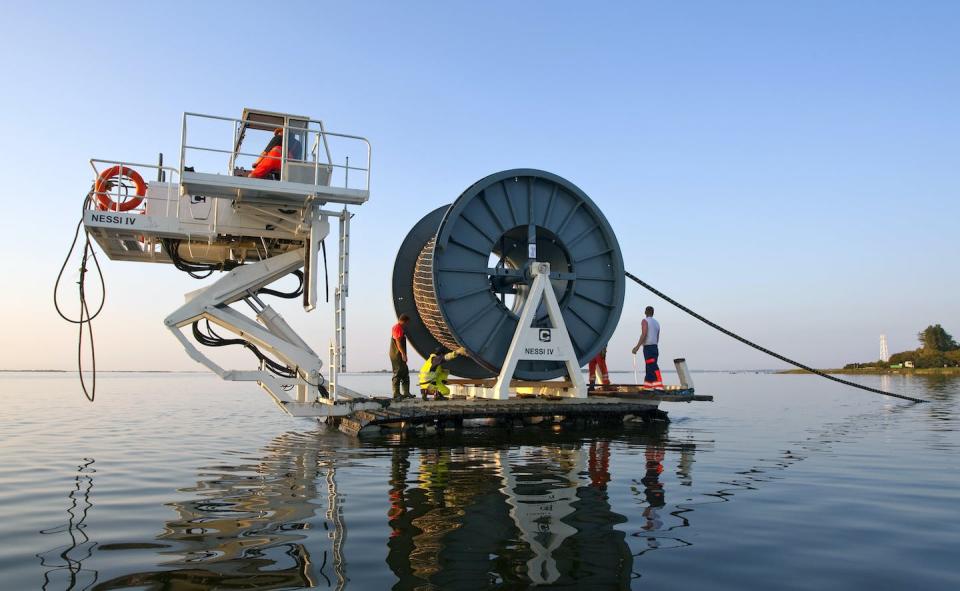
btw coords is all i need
(653, 331)
(650, 340)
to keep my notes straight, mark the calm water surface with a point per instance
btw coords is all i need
(180, 481)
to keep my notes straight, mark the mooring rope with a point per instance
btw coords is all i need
(670, 300)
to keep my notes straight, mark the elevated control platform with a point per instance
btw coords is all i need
(274, 192)
(255, 198)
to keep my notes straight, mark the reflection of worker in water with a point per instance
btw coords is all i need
(599, 362)
(652, 487)
(269, 163)
(649, 339)
(398, 357)
(434, 376)
(598, 465)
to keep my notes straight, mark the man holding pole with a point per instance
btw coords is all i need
(649, 340)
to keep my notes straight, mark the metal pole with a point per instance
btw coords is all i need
(283, 156)
(234, 148)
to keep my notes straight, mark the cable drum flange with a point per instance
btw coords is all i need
(468, 279)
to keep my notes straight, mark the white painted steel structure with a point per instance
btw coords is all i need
(207, 212)
(539, 344)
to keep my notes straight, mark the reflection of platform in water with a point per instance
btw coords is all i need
(477, 516)
(610, 404)
(248, 526)
(468, 510)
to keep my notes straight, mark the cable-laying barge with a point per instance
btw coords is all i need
(522, 273)
(611, 404)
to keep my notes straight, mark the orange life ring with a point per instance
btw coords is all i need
(105, 203)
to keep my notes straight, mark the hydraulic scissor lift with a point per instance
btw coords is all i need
(207, 214)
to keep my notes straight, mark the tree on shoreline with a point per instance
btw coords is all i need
(934, 338)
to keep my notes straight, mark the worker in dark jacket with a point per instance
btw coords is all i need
(398, 358)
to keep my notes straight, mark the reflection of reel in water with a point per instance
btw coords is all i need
(462, 276)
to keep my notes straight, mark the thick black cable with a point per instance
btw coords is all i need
(172, 246)
(86, 318)
(212, 339)
(63, 267)
(670, 300)
(287, 295)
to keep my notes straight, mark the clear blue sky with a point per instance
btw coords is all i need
(789, 169)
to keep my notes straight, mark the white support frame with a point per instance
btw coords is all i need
(539, 344)
(300, 396)
(271, 333)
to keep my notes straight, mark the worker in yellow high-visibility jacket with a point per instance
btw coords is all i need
(433, 375)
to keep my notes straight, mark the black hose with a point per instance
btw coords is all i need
(287, 295)
(190, 268)
(764, 349)
(86, 318)
(212, 339)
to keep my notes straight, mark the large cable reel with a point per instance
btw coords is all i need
(462, 274)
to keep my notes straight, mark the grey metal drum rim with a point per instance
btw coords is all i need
(588, 207)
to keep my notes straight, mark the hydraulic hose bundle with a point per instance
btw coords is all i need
(212, 339)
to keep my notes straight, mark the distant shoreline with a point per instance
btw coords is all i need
(928, 371)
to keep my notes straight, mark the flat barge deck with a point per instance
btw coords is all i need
(613, 403)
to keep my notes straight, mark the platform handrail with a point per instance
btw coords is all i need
(310, 126)
(218, 150)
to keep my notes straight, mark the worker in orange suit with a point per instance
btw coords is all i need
(600, 361)
(269, 163)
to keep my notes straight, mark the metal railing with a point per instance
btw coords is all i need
(118, 189)
(319, 158)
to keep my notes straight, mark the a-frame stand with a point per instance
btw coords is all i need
(540, 344)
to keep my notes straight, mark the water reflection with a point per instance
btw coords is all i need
(470, 514)
(591, 508)
(64, 563)
(465, 511)
(248, 525)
